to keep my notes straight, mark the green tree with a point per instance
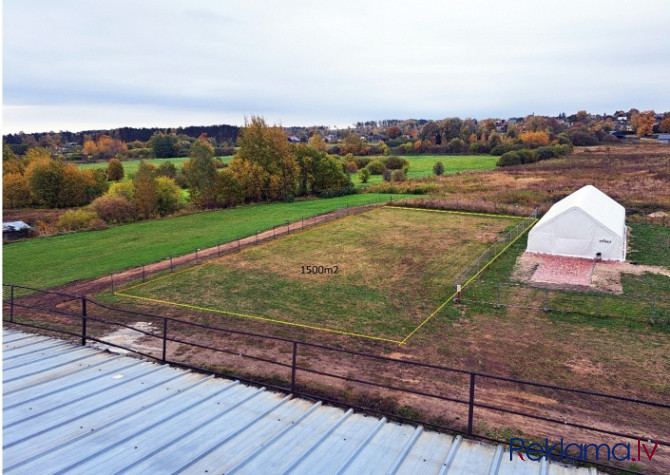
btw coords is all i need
(45, 177)
(438, 168)
(163, 146)
(229, 189)
(115, 170)
(200, 174)
(168, 195)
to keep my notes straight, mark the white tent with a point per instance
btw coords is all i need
(587, 224)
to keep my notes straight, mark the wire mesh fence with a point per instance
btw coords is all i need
(652, 308)
(473, 269)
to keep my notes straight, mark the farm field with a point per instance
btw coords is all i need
(377, 275)
(56, 260)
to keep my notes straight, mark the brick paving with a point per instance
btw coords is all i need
(563, 270)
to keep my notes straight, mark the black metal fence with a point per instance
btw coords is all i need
(481, 405)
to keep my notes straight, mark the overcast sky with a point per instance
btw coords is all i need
(88, 64)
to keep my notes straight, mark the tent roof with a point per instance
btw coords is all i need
(593, 202)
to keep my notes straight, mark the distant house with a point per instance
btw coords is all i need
(15, 230)
(294, 139)
(664, 138)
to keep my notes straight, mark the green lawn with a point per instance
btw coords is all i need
(372, 277)
(421, 166)
(56, 260)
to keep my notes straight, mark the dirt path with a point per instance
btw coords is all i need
(94, 286)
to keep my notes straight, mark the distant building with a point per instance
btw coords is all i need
(15, 230)
(664, 138)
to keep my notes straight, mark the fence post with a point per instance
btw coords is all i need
(653, 311)
(11, 304)
(143, 274)
(196, 255)
(598, 305)
(112, 276)
(288, 226)
(498, 294)
(546, 300)
(218, 248)
(165, 325)
(83, 321)
(471, 403)
(295, 355)
(171, 266)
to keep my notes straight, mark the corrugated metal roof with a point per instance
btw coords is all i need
(77, 409)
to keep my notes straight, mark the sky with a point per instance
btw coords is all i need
(90, 64)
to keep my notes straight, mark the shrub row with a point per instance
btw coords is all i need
(524, 155)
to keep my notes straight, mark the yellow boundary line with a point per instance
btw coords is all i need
(469, 280)
(123, 293)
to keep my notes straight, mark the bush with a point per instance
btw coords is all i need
(351, 167)
(166, 169)
(348, 190)
(115, 170)
(438, 168)
(398, 175)
(545, 153)
(74, 220)
(527, 156)
(386, 174)
(114, 209)
(509, 159)
(375, 167)
(395, 163)
(364, 175)
(361, 162)
(503, 148)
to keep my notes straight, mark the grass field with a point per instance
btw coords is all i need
(51, 261)
(421, 166)
(378, 275)
(130, 166)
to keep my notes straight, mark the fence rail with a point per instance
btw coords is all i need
(473, 394)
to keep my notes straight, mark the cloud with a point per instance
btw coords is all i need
(347, 61)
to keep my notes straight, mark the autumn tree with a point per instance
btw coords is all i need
(534, 139)
(664, 126)
(200, 173)
(115, 170)
(267, 147)
(145, 198)
(104, 147)
(317, 143)
(643, 123)
(15, 191)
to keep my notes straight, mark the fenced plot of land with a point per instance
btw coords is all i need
(378, 275)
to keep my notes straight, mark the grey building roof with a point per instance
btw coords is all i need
(68, 408)
(14, 226)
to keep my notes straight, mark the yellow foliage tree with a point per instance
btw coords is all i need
(534, 139)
